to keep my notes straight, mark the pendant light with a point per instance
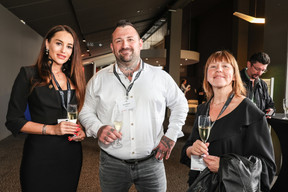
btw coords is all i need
(249, 18)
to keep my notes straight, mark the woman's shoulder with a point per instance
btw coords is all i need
(201, 109)
(249, 111)
(28, 71)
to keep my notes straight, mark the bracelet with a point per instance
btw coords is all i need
(44, 129)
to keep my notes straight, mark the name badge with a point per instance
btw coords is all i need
(127, 104)
(72, 120)
(197, 163)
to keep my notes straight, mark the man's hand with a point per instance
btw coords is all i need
(164, 148)
(108, 134)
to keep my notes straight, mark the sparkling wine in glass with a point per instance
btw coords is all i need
(285, 107)
(204, 127)
(118, 125)
(72, 114)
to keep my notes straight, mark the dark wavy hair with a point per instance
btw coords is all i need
(260, 57)
(73, 68)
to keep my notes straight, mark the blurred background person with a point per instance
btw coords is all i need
(257, 89)
(184, 88)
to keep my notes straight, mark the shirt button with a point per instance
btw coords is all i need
(131, 96)
(132, 124)
(133, 153)
(132, 138)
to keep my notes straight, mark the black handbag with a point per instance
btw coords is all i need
(236, 173)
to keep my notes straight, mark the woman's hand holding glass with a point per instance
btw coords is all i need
(72, 114)
(64, 128)
(198, 148)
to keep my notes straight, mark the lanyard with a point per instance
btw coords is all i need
(61, 91)
(223, 108)
(131, 85)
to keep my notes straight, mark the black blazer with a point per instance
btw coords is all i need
(44, 102)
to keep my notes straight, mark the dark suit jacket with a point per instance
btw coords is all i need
(44, 102)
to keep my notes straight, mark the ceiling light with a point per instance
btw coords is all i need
(84, 40)
(22, 21)
(100, 44)
(88, 50)
(249, 18)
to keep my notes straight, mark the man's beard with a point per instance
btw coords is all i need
(124, 58)
(255, 76)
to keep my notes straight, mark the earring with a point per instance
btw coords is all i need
(47, 51)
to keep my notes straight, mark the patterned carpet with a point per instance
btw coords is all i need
(11, 151)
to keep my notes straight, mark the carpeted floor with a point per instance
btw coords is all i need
(11, 151)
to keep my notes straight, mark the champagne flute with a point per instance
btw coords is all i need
(118, 125)
(285, 107)
(72, 114)
(204, 127)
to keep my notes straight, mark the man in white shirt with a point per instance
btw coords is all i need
(139, 93)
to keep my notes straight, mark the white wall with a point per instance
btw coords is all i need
(19, 46)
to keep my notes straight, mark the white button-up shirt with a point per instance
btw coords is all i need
(142, 126)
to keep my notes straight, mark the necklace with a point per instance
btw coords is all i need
(217, 103)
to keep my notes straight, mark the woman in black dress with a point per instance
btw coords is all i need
(51, 161)
(240, 130)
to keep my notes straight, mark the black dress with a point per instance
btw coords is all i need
(49, 162)
(244, 131)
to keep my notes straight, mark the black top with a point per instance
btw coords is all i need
(244, 131)
(44, 102)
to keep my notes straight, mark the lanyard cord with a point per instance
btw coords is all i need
(131, 84)
(223, 108)
(61, 91)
